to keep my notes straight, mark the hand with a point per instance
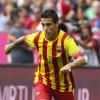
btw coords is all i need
(8, 48)
(66, 68)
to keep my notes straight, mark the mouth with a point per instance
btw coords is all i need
(46, 33)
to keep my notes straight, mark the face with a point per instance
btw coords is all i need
(21, 21)
(80, 13)
(89, 2)
(23, 12)
(37, 13)
(96, 7)
(85, 33)
(50, 28)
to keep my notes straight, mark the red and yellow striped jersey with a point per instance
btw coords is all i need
(53, 56)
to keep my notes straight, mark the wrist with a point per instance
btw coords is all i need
(71, 64)
(12, 45)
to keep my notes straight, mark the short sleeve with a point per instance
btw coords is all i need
(71, 47)
(29, 40)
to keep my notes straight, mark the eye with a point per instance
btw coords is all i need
(49, 24)
(43, 25)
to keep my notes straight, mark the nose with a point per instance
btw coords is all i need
(45, 27)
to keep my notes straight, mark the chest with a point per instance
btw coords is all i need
(50, 49)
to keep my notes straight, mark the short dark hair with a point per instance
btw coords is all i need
(63, 27)
(50, 13)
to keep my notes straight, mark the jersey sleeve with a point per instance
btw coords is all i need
(71, 47)
(29, 40)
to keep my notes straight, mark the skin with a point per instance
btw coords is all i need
(50, 28)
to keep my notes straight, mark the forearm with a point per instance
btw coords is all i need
(77, 62)
(18, 42)
(10, 46)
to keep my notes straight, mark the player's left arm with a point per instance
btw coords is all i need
(77, 62)
(74, 52)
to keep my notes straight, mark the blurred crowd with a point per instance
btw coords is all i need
(80, 18)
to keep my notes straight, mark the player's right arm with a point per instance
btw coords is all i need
(28, 40)
(16, 43)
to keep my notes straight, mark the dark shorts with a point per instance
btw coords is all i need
(43, 92)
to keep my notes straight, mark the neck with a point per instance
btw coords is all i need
(53, 37)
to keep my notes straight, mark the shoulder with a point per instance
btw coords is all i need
(33, 35)
(63, 34)
(69, 40)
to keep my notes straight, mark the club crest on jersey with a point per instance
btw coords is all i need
(58, 49)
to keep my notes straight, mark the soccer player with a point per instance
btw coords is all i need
(53, 76)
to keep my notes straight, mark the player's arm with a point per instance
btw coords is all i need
(74, 52)
(16, 43)
(77, 62)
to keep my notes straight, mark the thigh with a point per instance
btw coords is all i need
(42, 92)
(63, 95)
